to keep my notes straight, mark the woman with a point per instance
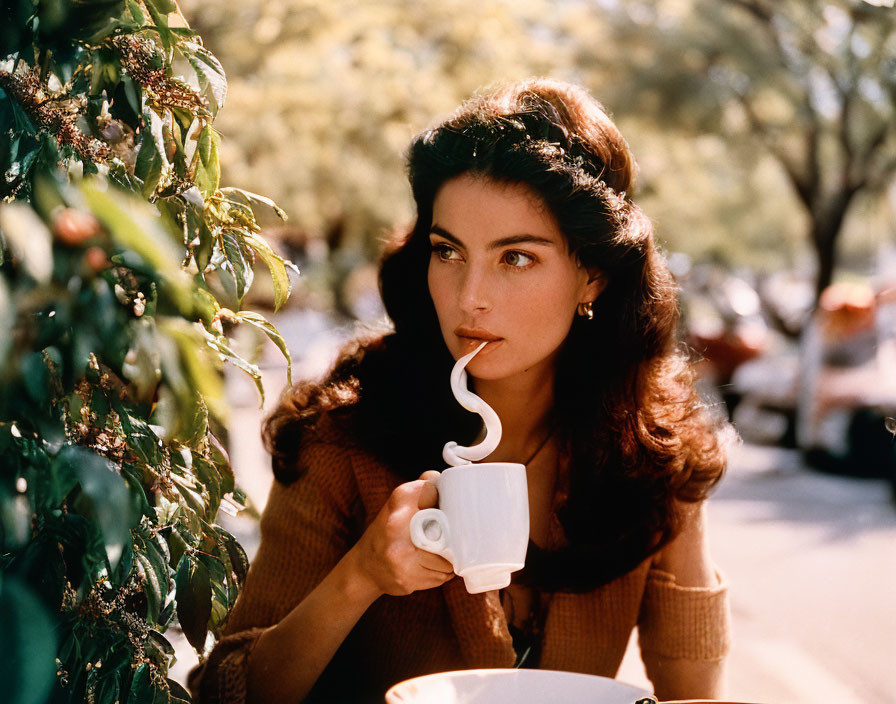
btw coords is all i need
(524, 237)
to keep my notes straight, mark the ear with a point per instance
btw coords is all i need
(597, 282)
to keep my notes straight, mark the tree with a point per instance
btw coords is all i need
(346, 86)
(123, 264)
(812, 83)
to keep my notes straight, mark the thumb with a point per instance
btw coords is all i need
(429, 495)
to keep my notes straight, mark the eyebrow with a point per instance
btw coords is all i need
(496, 244)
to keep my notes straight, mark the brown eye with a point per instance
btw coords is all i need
(443, 251)
(518, 260)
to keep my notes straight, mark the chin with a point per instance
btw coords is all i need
(493, 369)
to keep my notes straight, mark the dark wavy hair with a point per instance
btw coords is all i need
(626, 413)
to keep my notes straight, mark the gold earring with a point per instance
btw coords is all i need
(585, 310)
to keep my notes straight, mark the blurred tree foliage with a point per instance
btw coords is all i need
(812, 84)
(123, 263)
(345, 85)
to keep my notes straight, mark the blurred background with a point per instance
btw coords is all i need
(765, 133)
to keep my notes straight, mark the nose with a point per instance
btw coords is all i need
(474, 295)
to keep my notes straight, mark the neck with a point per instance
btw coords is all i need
(522, 404)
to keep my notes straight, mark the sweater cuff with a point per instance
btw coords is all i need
(688, 623)
(223, 678)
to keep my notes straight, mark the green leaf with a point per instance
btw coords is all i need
(192, 499)
(136, 226)
(132, 91)
(151, 586)
(27, 644)
(219, 343)
(172, 134)
(250, 197)
(50, 481)
(148, 167)
(178, 693)
(153, 173)
(184, 32)
(106, 685)
(136, 13)
(142, 363)
(237, 263)
(36, 378)
(238, 559)
(194, 433)
(194, 600)
(167, 615)
(162, 644)
(105, 499)
(155, 555)
(273, 333)
(141, 439)
(163, 6)
(277, 266)
(203, 301)
(177, 546)
(208, 474)
(187, 369)
(208, 169)
(209, 72)
(141, 691)
(158, 11)
(120, 575)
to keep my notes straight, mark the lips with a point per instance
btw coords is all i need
(476, 334)
(470, 338)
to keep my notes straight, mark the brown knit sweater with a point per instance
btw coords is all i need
(309, 525)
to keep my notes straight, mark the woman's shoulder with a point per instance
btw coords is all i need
(328, 429)
(330, 447)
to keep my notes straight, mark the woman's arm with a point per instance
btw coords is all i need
(289, 657)
(687, 557)
(686, 561)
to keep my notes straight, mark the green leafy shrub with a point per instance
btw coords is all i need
(123, 265)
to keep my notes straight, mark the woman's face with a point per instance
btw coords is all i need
(500, 270)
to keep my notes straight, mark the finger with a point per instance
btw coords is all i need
(429, 494)
(431, 561)
(406, 495)
(435, 578)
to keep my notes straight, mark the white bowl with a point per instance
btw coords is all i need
(507, 686)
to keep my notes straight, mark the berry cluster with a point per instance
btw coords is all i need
(55, 113)
(142, 60)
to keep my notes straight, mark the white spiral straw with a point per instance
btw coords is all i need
(453, 453)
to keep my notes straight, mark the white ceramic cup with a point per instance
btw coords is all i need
(482, 524)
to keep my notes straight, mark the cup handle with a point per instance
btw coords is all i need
(429, 531)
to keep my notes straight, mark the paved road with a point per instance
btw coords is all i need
(810, 561)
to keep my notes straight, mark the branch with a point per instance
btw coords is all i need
(878, 180)
(757, 9)
(806, 180)
(870, 178)
(765, 15)
(805, 186)
(846, 102)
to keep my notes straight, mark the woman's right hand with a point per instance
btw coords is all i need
(289, 657)
(385, 555)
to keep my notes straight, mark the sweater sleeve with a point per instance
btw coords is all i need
(306, 528)
(689, 623)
